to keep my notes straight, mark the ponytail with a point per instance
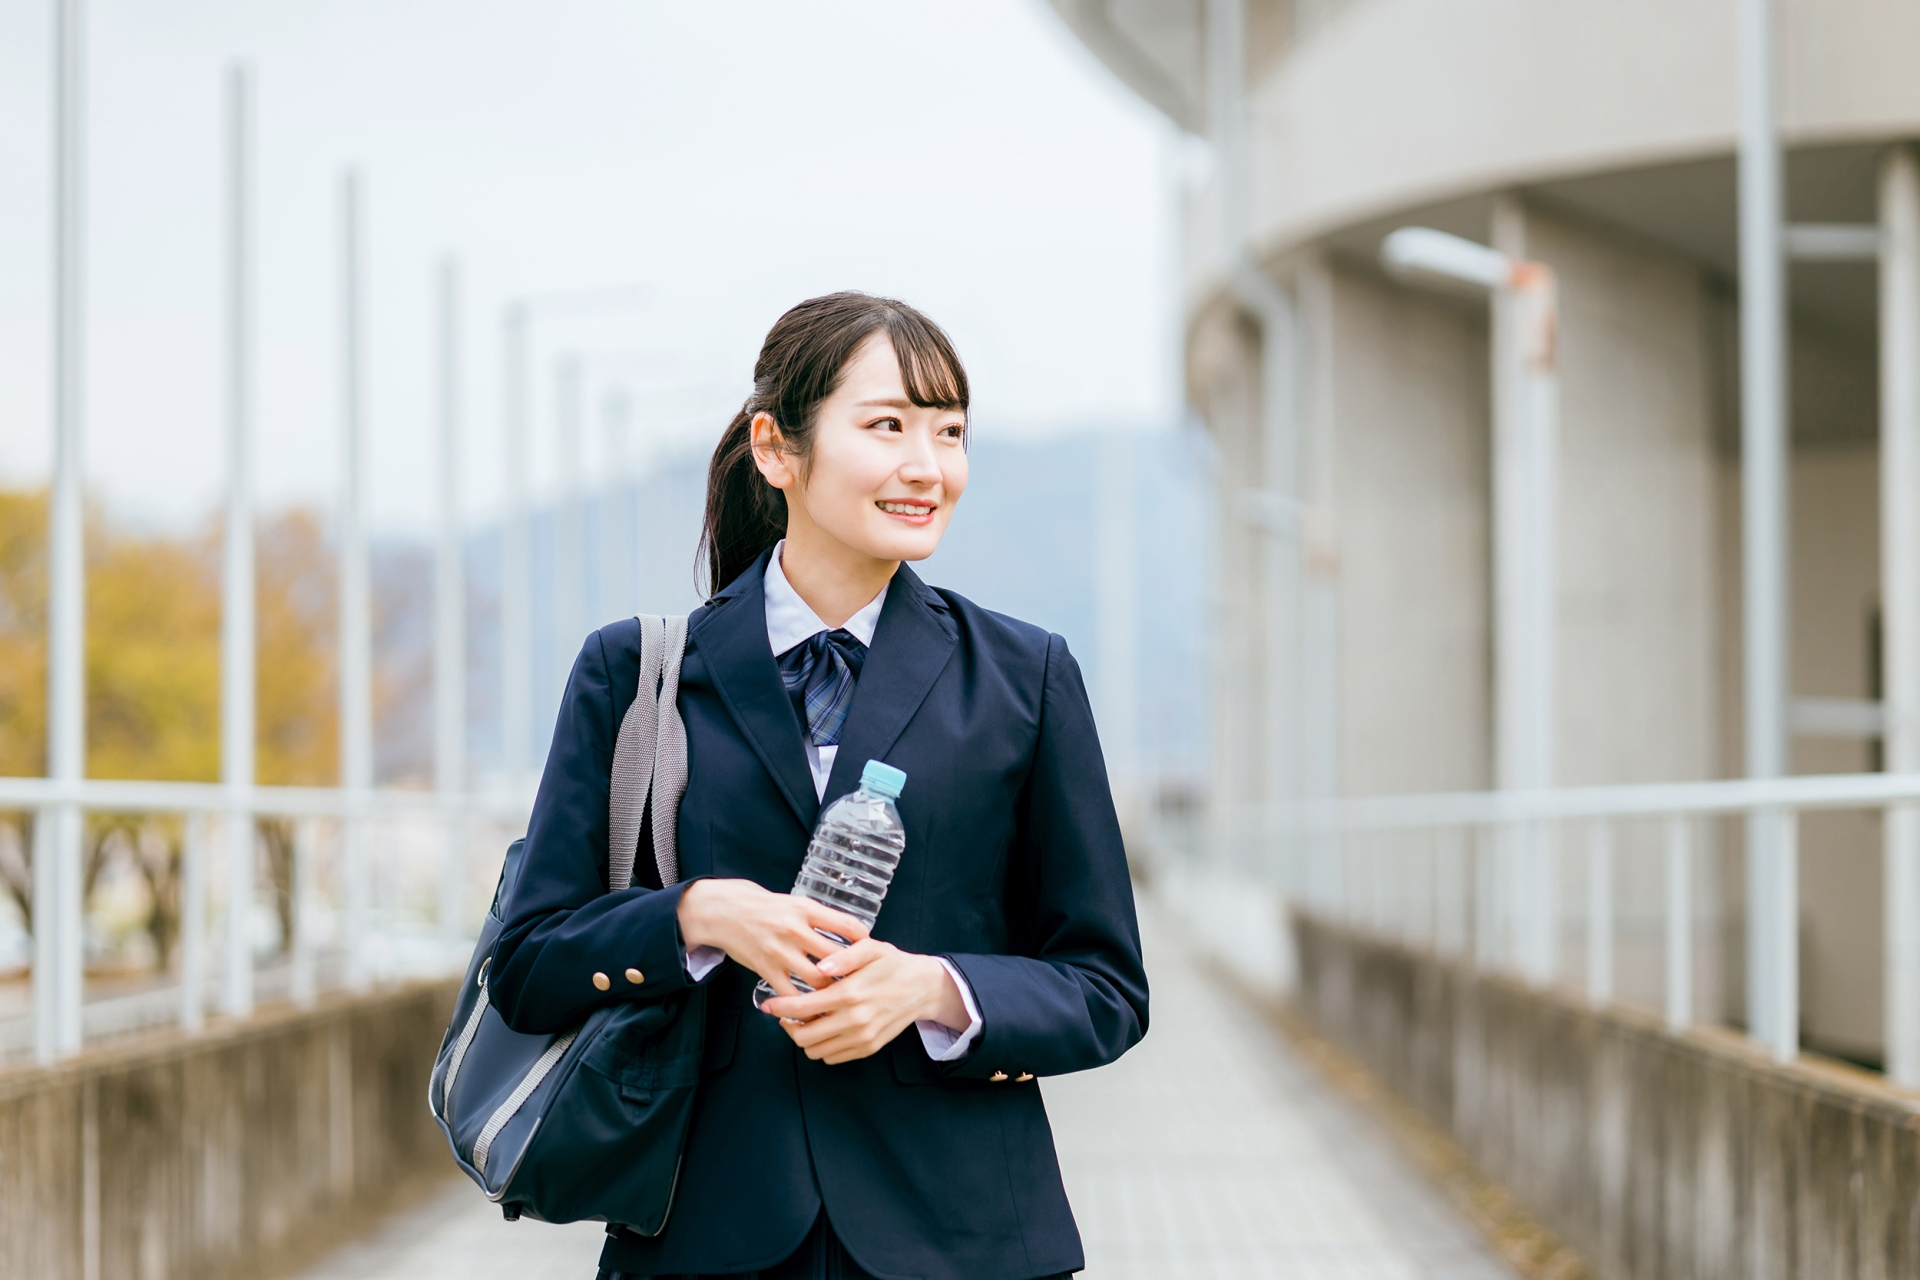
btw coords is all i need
(800, 365)
(745, 514)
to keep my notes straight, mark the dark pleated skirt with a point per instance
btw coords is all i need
(820, 1256)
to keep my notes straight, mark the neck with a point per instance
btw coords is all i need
(835, 580)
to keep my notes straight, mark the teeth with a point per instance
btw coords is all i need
(904, 509)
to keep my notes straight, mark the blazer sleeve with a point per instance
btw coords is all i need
(1075, 994)
(562, 926)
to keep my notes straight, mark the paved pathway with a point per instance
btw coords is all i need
(1208, 1153)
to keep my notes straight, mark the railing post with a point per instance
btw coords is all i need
(300, 977)
(1900, 593)
(1782, 935)
(193, 924)
(355, 872)
(54, 987)
(1679, 924)
(237, 973)
(1599, 915)
(1486, 915)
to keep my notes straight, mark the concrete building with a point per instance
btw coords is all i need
(1357, 418)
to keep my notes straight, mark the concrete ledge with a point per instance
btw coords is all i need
(235, 1152)
(1655, 1155)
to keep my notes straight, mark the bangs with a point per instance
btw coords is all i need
(930, 369)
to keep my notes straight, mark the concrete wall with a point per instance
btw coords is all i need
(1657, 1157)
(1412, 478)
(1390, 104)
(232, 1153)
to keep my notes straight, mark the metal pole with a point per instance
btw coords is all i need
(1599, 915)
(569, 543)
(237, 587)
(450, 616)
(516, 560)
(1763, 513)
(1679, 924)
(58, 976)
(356, 658)
(618, 596)
(1900, 593)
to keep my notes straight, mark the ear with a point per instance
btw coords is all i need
(770, 452)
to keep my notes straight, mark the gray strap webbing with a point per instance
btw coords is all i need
(649, 755)
(649, 758)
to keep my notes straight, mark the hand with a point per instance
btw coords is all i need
(770, 933)
(881, 989)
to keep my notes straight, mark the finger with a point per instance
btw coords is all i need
(806, 1006)
(858, 956)
(820, 916)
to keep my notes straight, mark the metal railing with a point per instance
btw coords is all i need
(1477, 876)
(220, 972)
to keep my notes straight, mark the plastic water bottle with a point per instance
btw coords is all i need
(851, 858)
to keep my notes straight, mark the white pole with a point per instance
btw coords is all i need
(58, 974)
(1679, 924)
(1764, 533)
(193, 923)
(1117, 609)
(237, 586)
(516, 559)
(569, 542)
(356, 658)
(618, 597)
(450, 615)
(1900, 593)
(1599, 915)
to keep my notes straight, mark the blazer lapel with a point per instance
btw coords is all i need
(733, 640)
(911, 645)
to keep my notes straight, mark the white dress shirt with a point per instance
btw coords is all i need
(791, 621)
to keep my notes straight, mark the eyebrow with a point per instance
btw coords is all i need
(884, 404)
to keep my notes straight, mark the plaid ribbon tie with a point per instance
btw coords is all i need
(819, 677)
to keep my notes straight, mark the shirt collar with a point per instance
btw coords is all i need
(792, 621)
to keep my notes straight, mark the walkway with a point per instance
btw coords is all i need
(1209, 1153)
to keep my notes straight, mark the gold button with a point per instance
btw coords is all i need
(1023, 1077)
(997, 1076)
(636, 977)
(602, 981)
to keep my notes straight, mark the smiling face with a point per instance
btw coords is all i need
(883, 474)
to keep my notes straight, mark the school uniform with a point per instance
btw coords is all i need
(932, 1158)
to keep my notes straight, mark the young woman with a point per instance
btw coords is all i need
(889, 1124)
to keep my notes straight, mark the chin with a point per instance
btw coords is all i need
(905, 544)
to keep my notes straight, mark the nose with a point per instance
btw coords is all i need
(920, 465)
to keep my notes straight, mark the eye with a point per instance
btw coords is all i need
(886, 424)
(953, 430)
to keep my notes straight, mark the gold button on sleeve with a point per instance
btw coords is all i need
(602, 981)
(636, 977)
(1023, 1077)
(997, 1076)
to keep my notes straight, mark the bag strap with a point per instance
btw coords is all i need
(649, 758)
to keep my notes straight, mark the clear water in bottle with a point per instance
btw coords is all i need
(852, 855)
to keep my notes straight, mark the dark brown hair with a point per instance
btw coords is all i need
(801, 364)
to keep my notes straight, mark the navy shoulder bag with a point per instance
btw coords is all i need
(587, 1124)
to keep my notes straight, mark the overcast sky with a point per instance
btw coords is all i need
(733, 158)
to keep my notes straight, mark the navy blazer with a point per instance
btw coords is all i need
(1013, 869)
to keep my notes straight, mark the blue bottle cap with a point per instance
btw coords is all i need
(882, 779)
